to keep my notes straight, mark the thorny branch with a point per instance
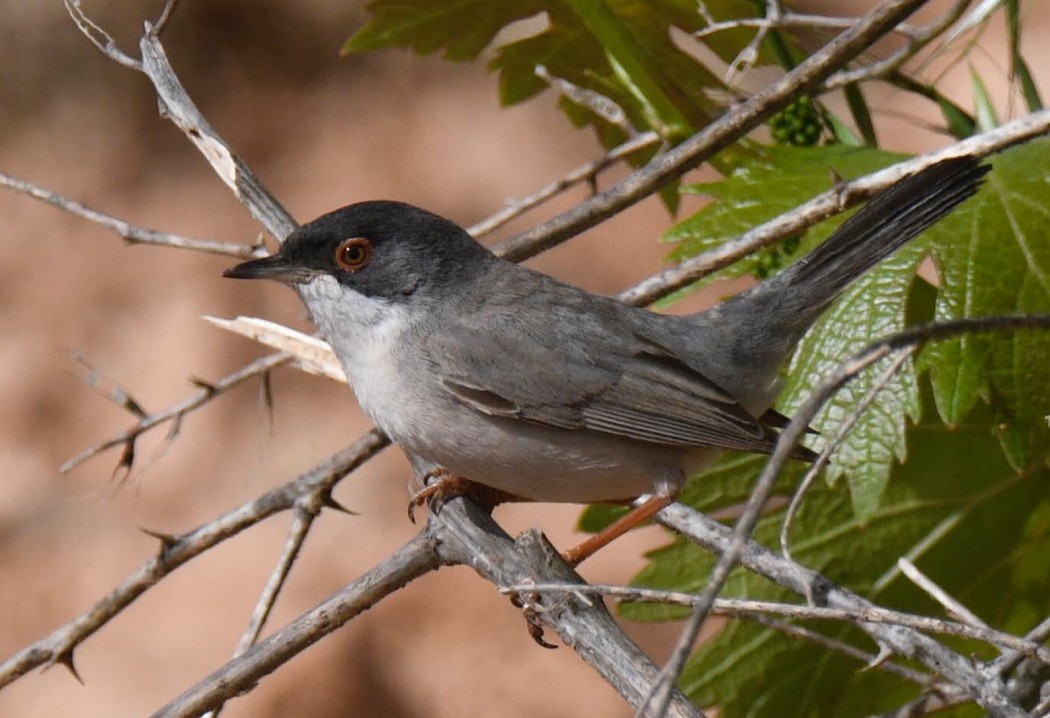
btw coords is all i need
(467, 534)
(776, 18)
(177, 550)
(307, 508)
(738, 607)
(460, 534)
(176, 411)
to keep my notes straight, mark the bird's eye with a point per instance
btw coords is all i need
(354, 254)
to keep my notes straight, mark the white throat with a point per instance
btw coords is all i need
(364, 332)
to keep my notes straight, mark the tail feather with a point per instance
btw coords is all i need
(778, 311)
(880, 228)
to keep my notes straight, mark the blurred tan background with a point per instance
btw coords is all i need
(321, 132)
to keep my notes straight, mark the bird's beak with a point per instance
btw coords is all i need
(273, 267)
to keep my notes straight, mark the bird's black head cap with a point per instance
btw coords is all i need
(380, 249)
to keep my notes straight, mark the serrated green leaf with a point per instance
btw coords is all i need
(1029, 89)
(957, 509)
(634, 68)
(993, 257)
(634, 55)
(872, 308)
(777, 182)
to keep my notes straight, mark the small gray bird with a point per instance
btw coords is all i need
(538, 389)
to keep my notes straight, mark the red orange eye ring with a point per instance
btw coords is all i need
(354, 254)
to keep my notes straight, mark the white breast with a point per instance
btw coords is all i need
(364, 333)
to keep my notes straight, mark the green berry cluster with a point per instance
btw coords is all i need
(772, 260)
(797, 124)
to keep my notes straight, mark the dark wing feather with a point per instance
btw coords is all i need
(582, 362)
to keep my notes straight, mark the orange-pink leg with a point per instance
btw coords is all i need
(643, 512)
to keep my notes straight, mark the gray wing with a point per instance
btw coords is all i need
(548, 354)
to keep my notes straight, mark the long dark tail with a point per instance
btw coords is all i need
(880, 228)
(755, 331)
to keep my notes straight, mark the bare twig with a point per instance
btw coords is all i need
(906, 642)
(176, 105)
(789, 19)
(583, 173)
(99, 37)
(747, 57)
(131, 233)
(459, 534)
(109, 388)
(307, 508)
(941, 697)
(832, 644)
(177, 550)
(597, 103)
(587, 627)
(917, 40)
(178, 410)
(165, 17)
(938, 594)
(1007, 662)
(415, 559)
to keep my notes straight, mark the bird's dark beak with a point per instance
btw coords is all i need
(273, 267)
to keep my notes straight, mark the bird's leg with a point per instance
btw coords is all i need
(644, 511)
(442, 484)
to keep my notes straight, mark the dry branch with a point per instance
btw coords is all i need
(460, 533)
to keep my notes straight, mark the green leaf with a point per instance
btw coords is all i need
(1023, 76)
(872, 308)
(957, 509)
(463, 28)
(993, 257)
(633, 67)
(776, 182)
(858, 108)
(987, 118)
(1019, 71)
(636, 59)
(959, 122)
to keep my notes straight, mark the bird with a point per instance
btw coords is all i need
(539, 390)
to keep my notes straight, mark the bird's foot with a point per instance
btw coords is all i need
(530, 609)
(441, 484)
